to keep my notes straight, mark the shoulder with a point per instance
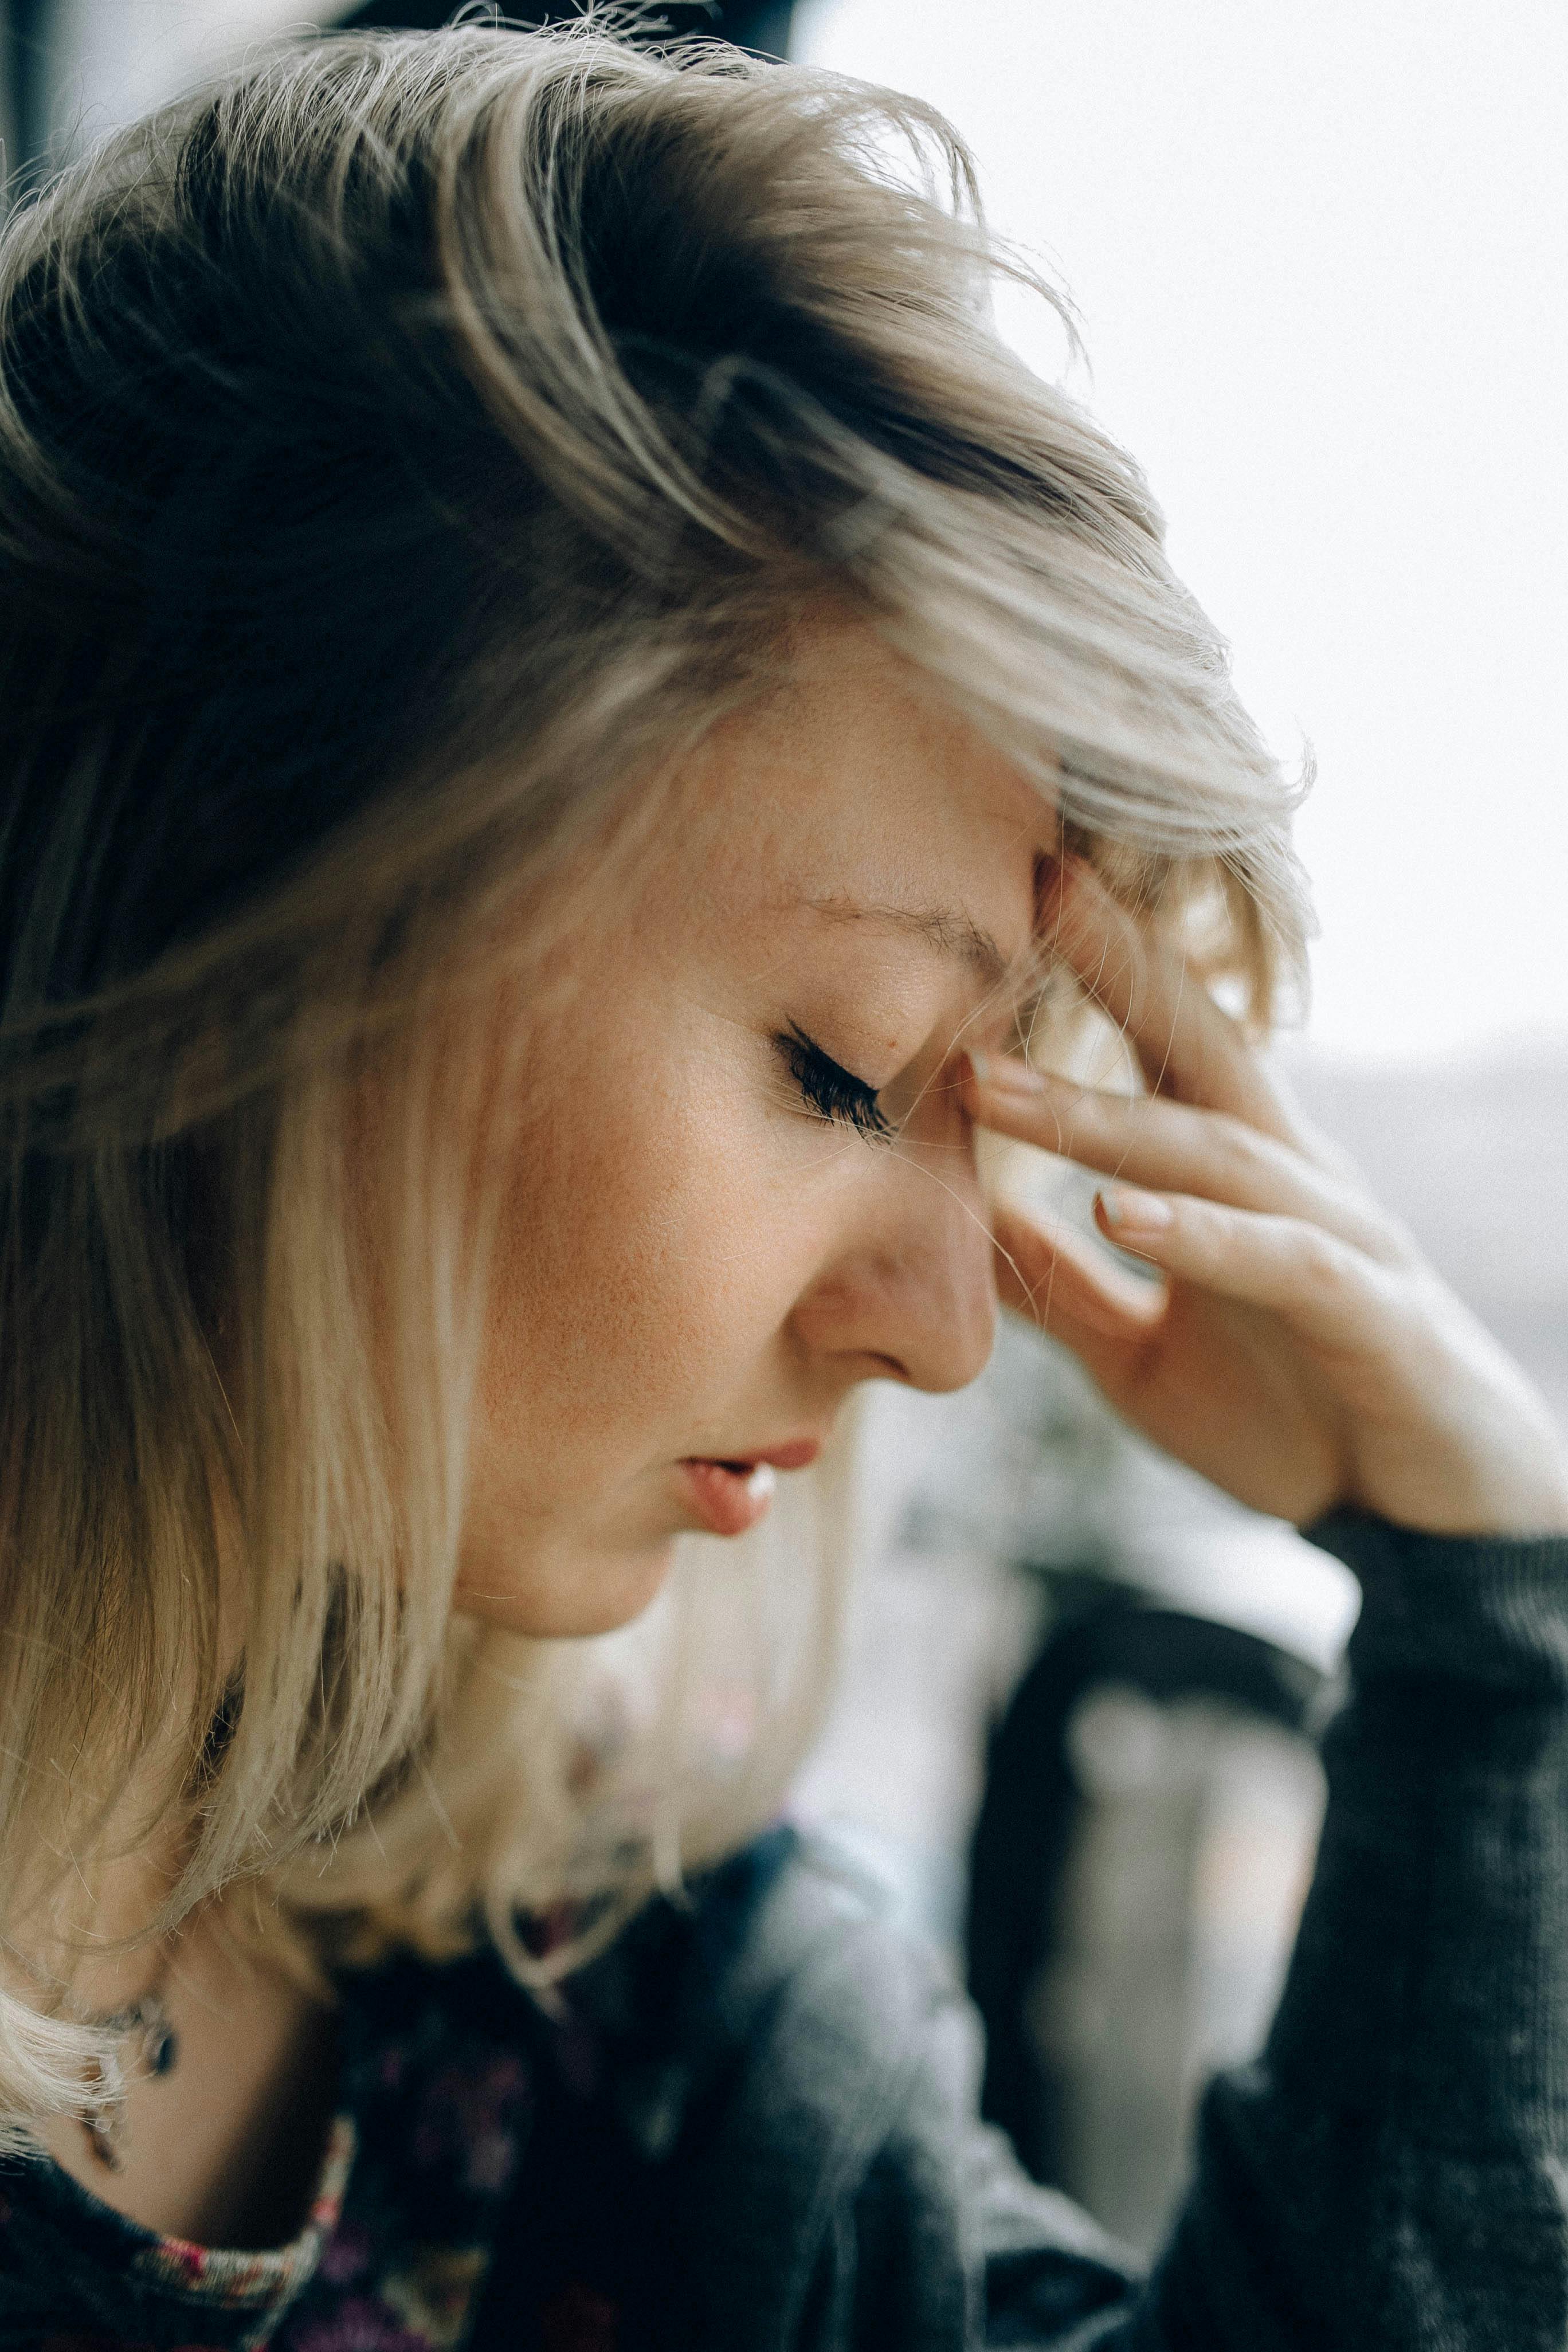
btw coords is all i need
(816, 2107)
(781, 1962)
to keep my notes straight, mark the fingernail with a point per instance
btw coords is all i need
(1006, 1074)
(1130, 1211)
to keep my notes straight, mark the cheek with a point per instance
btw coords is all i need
(643, 1261)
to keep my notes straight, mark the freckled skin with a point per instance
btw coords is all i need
(691, 1261)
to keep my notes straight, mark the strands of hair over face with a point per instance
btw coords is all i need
(408, 446)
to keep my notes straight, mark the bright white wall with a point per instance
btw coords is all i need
(112, 59)
(1320, 255)
(1321, 252)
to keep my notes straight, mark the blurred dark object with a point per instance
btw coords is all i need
(25, 27)
(40, 40)
(762, 26)
(1150, 1811)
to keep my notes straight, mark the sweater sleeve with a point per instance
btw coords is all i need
(1391, 2176)
(1394, 2171)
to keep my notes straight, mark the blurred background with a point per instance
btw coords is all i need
(1317, 257)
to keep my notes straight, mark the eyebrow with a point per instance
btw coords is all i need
(952, 934)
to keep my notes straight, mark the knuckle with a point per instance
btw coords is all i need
(1205, 1228)
(1325, 1266)
(1092, 1123)
(1242, 1163)
(1397, 1245)
(1244, 1153)
(1330, 1155)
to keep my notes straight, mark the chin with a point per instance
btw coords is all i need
(570, 1597)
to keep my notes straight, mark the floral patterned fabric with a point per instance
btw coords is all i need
(469, 2121)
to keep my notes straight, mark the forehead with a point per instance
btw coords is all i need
(850, 784)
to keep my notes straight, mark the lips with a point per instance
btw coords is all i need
(728, 1499)
(731, 1497)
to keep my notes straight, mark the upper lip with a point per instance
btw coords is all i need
(795, 1454)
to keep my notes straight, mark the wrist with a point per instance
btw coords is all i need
(1492, 1464)
(1518, 1500)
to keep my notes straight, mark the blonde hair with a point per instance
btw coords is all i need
(408, 446)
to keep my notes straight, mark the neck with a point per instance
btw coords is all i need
(225, 2149)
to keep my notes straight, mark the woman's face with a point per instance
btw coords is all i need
(745, 1180)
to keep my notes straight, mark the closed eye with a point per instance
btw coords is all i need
(827, 1088)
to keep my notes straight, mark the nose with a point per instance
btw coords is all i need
(909, 1293)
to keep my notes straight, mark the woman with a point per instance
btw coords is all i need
(568, 711)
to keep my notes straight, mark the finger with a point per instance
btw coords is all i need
(1059, 1279)
(1171, 1148)
(1188, 1047)
(1328, 1291)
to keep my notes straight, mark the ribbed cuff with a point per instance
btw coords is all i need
(1489, 1610)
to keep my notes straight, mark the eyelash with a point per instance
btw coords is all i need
(830, 1090)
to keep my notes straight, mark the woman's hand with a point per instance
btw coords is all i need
(1300, 1352)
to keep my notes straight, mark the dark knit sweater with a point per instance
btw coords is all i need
(754, 2130)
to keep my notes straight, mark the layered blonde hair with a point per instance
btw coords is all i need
(408, 446)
